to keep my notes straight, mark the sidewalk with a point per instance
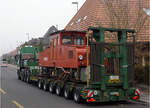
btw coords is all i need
(145, 93)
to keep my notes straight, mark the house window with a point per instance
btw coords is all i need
(54, 42)
(58, 40)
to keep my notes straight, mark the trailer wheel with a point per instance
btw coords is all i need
(58, 90)
(67, 93)
(76, 96)
(40, 84)
(51, 88)
(45, 86)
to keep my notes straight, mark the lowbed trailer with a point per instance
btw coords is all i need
(105, 72)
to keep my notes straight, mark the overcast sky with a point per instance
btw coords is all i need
(19, 17)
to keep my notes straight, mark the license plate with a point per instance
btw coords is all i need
(114, 93)
(114, 77)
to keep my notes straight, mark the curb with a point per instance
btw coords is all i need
(145, 99)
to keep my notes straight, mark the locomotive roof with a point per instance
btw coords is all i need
(61, 31)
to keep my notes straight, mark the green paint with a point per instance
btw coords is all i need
(105, 93)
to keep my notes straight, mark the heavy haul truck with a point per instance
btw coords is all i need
(97, 66)
(27, 66)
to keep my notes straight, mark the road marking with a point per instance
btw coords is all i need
(2, 91)
(17, 104)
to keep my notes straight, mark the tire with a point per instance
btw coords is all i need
(67, 93)
(58, 90)
(18, 74)
(51, 88)
(45, 87)
(28, 79)
(19, 78)
(25, 77)
(76, 96)
(39, 84)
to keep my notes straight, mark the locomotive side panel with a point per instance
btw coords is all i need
(44, 58)
(67, 55)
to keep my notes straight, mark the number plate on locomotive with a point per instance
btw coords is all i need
(114, 77)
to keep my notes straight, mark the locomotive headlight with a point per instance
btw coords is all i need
(80, 57)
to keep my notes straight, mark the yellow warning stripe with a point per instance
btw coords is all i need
(2, 91)
(17, 104)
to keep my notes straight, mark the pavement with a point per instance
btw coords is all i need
(145, 93)
(17, 94)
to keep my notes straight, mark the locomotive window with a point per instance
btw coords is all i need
(78, 40)
(58, 40)
(67, 40)
(54, 42)
(51, 43)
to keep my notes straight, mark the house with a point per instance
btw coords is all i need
(117, 14)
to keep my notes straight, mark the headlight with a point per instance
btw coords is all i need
(80, 57)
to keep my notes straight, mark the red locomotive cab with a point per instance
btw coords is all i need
(74, 43)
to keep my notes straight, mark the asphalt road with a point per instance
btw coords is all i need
(17, 94)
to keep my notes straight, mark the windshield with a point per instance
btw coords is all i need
(27, 55)
(67, 40)
(78, 40)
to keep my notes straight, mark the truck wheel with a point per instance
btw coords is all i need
(67, 93)
(19, 78)
(45, 86)
(18, 74)
(51, 88)
(28, 79)
(25, 77)
(76, 96)
(40, 84)
(58, 90)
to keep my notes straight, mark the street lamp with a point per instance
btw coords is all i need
(27, 35)
(147, 11)
(76, 3)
